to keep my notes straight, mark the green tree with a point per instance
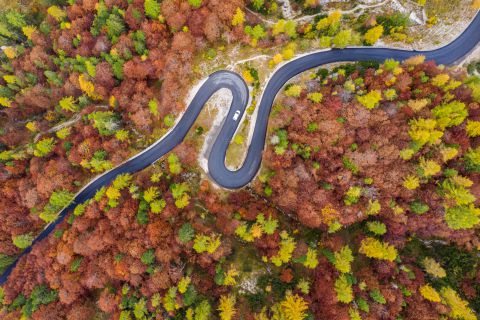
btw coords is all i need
(462, 217)
(371, 99)
(186, 233)
(152, 8)
(195, 3)
(258, 4)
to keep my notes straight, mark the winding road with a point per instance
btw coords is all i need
(217, 169)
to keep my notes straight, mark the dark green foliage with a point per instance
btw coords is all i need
(190, 296)
(5, 261)
(458, 264)
(397, 20)
(256, 301)
(139, 38)
(142, 213)
(473, 67)
(219, 275)
(322, 73)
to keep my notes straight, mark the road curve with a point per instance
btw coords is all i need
(217, 169)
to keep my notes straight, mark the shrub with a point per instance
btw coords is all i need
(293, 91)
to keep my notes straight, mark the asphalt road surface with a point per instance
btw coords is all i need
(217, 169)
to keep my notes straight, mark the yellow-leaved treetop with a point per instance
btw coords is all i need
(458, 307)
(434, 268)
(374, 248)
(371, 99)
(294, 307)
(411, 182)
(373, 34)
(343, 288)
(343, 259)
(226, 307)
(238, 17)
(430, 293)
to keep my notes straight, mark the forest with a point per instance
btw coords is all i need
(367, 205)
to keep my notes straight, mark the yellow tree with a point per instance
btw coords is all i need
(373, 34)
(238, 17)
